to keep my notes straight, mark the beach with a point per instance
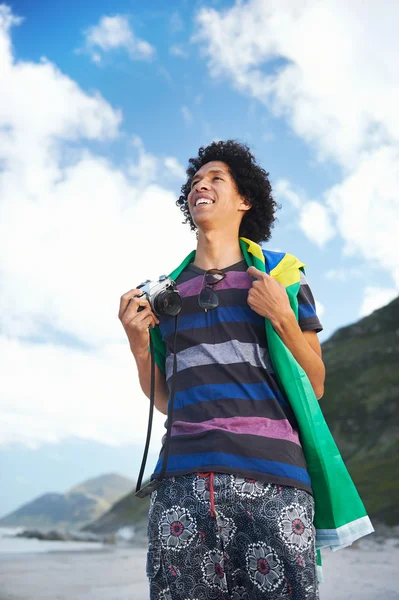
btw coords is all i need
(367, 571)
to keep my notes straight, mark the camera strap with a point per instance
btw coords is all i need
(142, 492)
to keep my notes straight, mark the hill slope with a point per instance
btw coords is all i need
(110, 487)
(80, 505)
(127, 511)
(361, 406)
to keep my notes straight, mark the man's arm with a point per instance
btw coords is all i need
(143, 363)
(136, 323)
(305, 347)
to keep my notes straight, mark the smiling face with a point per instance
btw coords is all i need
(214, 201)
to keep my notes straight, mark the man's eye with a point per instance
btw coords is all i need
(195, 182)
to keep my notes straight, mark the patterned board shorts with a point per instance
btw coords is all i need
(214, 536)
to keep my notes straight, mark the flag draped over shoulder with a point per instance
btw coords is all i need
(340, 516)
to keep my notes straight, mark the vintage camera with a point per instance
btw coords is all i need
(163, 296)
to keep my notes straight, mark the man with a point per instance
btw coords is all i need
(233, 518)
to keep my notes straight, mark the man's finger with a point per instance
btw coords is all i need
(254, 272)
(142, 317)
(128, 297)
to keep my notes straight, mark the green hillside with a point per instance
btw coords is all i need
(127, 511)
(360, 405)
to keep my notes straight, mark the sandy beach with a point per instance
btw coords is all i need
(368, 571)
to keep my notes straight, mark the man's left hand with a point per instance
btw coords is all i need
(268, 297)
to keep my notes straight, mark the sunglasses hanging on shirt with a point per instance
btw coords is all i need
(208, 298)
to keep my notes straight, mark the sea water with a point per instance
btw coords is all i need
(11, 545)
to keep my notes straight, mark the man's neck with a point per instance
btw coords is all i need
(217, 250)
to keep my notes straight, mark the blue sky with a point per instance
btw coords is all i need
(101, 106)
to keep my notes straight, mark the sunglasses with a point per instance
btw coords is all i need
(208, 298)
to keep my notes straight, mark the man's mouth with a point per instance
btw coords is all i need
(203, 201)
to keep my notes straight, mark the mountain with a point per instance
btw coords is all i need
(127, 512)
(78, 506)
(110, 487)
(360, 405)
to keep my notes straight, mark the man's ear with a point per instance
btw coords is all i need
(245, 204)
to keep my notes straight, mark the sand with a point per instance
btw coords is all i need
(369, 571)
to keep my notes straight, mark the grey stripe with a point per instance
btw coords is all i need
(226, 353)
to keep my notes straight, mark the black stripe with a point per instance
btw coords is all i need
(230, 407)
(310, 324)
(305, 295)
(226, 373)
(229, 297)
(218, 333)
(239, 444)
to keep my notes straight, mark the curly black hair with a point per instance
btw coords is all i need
(252, 183)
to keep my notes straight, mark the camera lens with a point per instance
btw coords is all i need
(168, 303)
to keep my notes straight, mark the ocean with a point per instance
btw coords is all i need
(11, 546)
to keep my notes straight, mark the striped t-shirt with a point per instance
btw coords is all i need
(230, 415)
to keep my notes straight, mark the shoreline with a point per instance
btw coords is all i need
(365, 571)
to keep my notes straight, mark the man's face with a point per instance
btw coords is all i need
(214, 199)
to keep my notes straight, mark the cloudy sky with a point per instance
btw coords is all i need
(101, 105)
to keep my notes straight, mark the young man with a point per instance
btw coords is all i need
(233, 518)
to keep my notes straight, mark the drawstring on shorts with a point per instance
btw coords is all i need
(212, 509)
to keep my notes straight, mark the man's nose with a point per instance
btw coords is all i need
(201, 185)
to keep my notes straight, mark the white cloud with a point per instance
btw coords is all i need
(115, 32)
(75, 234)
(314, 218)
(65, 392)
(175, 169)
(187, 116)
(376, 297)
(334, 75)
(345, 273)
(145, 169)
(338, 87)
(283, 190)
(320, 308)
(178, 50)
(7, 20)
(366, 205)
(149, 168)
(315, 223)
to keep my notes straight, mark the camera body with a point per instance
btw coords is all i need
(163, 296)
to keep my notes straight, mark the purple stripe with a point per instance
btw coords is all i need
(233, 279)
(280, 430)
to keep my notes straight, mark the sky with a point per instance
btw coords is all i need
(101, 106)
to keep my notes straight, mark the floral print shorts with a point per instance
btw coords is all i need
(214, 536)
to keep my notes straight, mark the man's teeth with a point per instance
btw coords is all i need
(203, 201)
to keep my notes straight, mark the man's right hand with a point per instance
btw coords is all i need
(136, 324)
